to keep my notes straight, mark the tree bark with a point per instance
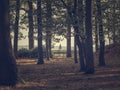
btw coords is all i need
(75, 51)
(74, 20)
(78, 36)
(101, 35)
(68, 37)
(89, 42)
(31, 30)
(16, 28)
(8, 69)
(39, 21)
(47, 45)
(48, 29)
(96, 33)
(82, 32)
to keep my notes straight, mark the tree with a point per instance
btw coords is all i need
(31, 32)
(16, 25)
(95, 25)
(75, 51)
(89, 48)
(82, 33)
(78, 35)
(96, 33)
(74, 20)
(48, 28)
(60, 47)
(68, 36)
(8, 69)
(101, 34)
(39, 22)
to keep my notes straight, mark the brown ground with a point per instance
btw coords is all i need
(63, 74)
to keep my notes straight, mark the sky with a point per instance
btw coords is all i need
(24, 42)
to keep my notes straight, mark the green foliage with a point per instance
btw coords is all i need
(33, 53)
(23, 53)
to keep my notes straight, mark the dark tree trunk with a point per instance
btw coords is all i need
(74, 20)
(81, 16)
(16, 28)
(50, 48)
(47, 45)
(81, 55)
(68, 37)
(31, 30)
(82, 58)
(48, 28)
(77, 37)
(89, 48)
(8, 69)
(101, 35)
(96, 33)
(75, 51)
(81, 30)
(39, 21)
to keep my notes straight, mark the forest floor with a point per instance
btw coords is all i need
(63, 74)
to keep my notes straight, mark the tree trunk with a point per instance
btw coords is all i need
(96, 34)
(89, 43)
(47, 45)
(68, 37)
(31, 32)
(39, 21)
(82, 32)
(48, 28)
(81, 55)
(75, 51)
(78, 37)
(16, 28)
(8, 69)
(82, 58)
(101, 35)
(50, 46)
(74, 20)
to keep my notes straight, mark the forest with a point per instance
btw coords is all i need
(92, 64)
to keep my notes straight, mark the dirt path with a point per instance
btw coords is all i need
(63, 74)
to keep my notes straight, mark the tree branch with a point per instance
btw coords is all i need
(65, 4)
(24, 9)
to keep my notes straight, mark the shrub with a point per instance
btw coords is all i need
(33, 53)
(23, 53)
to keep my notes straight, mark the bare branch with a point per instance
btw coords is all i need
(24, 9)
(65, 4)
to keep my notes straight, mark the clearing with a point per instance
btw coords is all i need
(63, 74)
